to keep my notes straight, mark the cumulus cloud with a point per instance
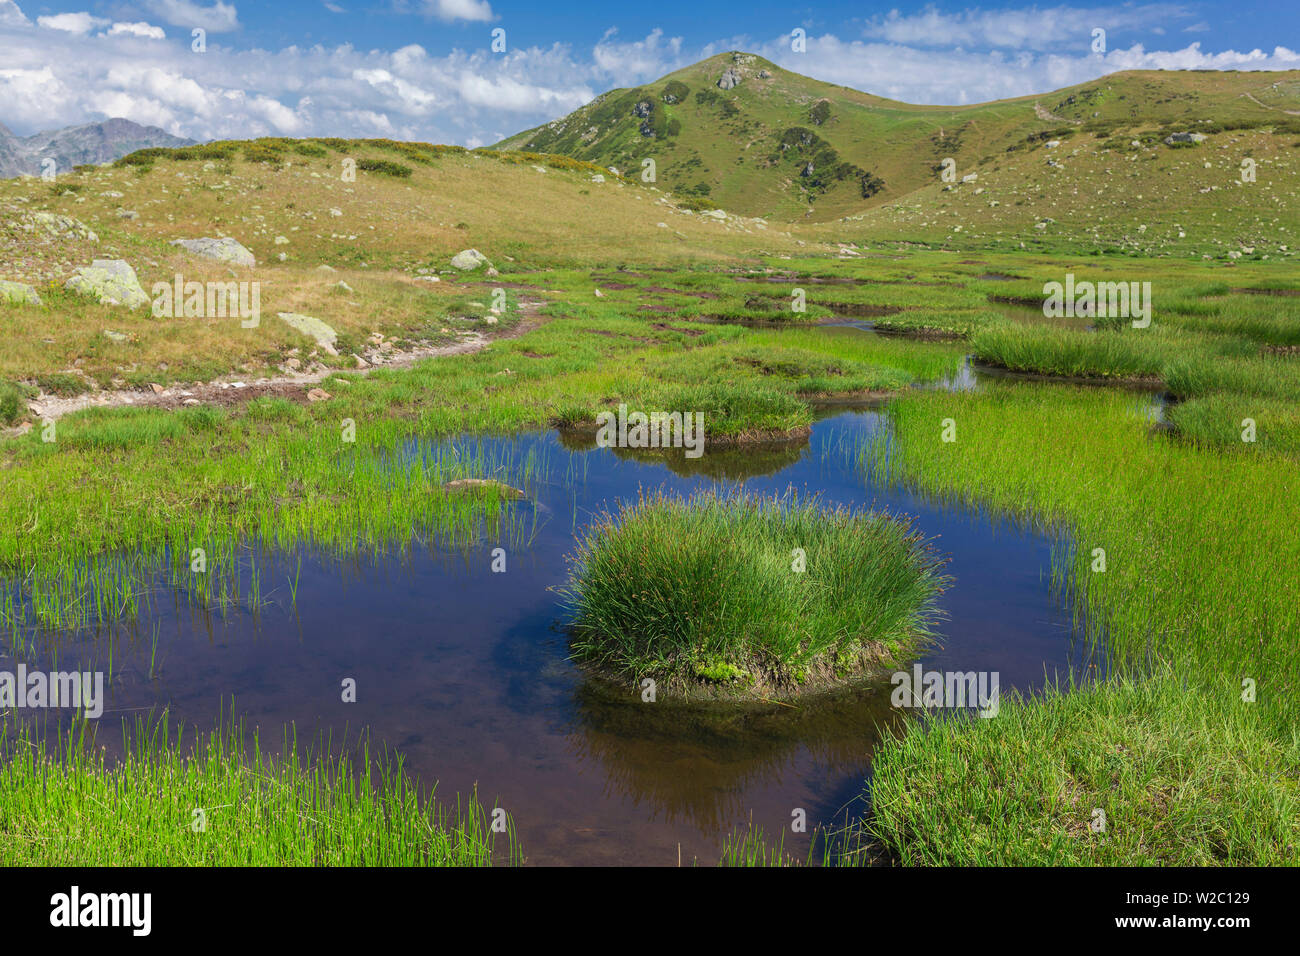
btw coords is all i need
(11, 15)
(1028, 28)
(639, 60)
(218, 18)
(966, 76)
(146, 30)
(473, 10)
(72, 22)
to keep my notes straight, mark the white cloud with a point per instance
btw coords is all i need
(639, 60)
(474, 10)
(476, 97)
(960, 76)
(218, 18)
(146, 30)
(72, 22)
(11, 15)
(1053, 28)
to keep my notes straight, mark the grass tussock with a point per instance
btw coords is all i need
(759, 596)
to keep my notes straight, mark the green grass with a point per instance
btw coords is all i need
(68, 806)
(709, 590)
(1219, 421)
(1184, 776)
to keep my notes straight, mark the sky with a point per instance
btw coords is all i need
(427, 69)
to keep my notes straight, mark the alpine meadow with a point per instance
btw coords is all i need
(732, 468)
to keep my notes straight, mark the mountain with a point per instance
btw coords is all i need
(89, 144)
(739, 132)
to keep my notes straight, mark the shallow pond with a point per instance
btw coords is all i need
(465, 672)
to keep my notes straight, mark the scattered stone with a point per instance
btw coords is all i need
(57, 226)
(127, 214)
(1184, 138)
(318, 395)
(110, 281)
(114, 336)
(223, 250)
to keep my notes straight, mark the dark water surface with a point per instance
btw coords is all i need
(465, 671)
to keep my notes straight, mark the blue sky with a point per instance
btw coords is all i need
(424, 69)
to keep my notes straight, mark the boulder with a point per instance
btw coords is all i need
(18, 293)
(1184, 138)
(223, 250)
(469, 259)
(730, 79)
(110, 281)
(483, 484)
(313, 328)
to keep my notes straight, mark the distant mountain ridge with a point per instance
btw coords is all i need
(737, 131)
(88, 144)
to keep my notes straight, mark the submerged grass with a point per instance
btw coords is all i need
(224, 801)
(762, 596)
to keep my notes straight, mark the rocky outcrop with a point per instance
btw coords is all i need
(730, 79)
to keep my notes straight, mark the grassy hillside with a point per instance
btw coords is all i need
(787, 146)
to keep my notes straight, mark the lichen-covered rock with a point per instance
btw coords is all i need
(223, 250)
(1184, 138)
(313, 328)
(110, 281)
(468, 259)
(17, 293)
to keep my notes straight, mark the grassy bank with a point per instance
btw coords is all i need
(223, 801)
(1120, 774)
(1190, 746)
(758, 596)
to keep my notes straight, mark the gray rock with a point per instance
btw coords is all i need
(1184, 138)
(17, 293)
(313, 328)
(110, 281)
(114, 336)
(223, 250)
(730, 79)
(468, 259)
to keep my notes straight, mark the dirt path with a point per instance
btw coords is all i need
(236, 391)
(1251, 97)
